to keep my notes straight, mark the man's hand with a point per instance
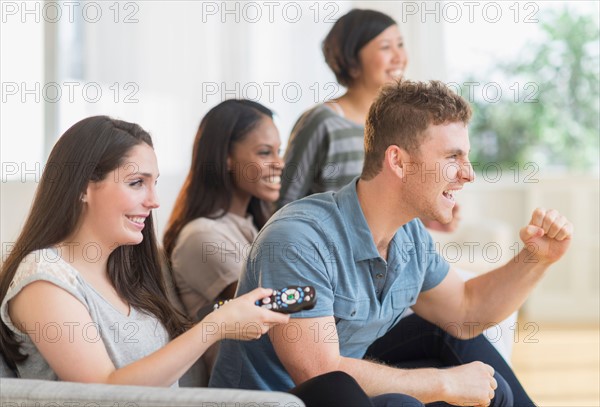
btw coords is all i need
(547, 236)
(472, 384)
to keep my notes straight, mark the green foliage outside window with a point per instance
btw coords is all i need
(552, 117)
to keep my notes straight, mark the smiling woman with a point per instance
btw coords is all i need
(255, 166)
(98, 191)
(235, 173)
(365, 51)
(131, 188)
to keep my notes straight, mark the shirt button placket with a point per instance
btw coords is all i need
(380, 272)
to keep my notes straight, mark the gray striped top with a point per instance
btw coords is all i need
(127, 338)
(325, 152)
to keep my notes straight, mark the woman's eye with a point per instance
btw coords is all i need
(264, 152)
(135, 183)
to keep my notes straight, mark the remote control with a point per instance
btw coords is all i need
(287, 300)
(290, 299)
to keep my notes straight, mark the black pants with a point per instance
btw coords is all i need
(338, 389)
(414, 343)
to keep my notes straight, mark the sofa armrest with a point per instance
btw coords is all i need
(26, 392)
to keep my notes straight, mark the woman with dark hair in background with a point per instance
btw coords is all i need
(365, 50)
(234, 175)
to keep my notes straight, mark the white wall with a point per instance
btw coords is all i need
(22, 108)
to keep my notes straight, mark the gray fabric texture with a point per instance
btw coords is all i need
(25, 393)
(127, 338)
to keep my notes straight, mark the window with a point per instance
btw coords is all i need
(531, 72)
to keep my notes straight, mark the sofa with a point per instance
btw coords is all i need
(16, 392)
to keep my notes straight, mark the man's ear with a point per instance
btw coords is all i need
(397, 160)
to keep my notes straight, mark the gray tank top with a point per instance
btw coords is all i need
(127, 338)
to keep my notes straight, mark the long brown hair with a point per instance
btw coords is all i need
(86, 153)
(208, 187)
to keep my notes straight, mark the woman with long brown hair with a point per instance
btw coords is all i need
(82, 295)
